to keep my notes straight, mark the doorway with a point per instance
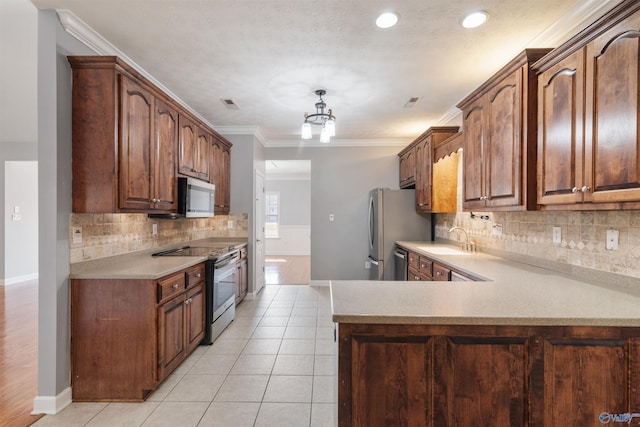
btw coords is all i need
(288, 222)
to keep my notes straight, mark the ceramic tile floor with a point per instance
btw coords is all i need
(273, 366)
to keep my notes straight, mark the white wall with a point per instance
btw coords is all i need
(295, 217)
(18, 104)
(21, 228)
(341, 178)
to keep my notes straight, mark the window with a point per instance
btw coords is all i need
(272, 215)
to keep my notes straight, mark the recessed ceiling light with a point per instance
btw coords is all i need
(474, 19)
(387, 20)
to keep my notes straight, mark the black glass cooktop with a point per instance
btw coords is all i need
(194, 251)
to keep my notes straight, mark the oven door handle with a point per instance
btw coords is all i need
(225, 263)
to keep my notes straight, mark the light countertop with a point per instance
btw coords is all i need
(141, 265)
(514, 294)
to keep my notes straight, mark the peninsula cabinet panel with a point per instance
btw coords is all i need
(390, 381)
(600, 168)
(480, 381)
(463, 375)
(579, 379)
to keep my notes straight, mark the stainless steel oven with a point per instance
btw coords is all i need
(222, 276)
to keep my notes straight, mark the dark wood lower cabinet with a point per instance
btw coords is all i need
(427, 375)
(128, 335)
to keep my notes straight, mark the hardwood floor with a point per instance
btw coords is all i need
(18, 353)
(287, 270)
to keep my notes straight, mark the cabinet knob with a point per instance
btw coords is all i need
(198, 275)
(575, 189)
(176, 286)
(438, 273)
(483, 197)
(585, 189)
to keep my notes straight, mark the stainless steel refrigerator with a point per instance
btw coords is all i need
(392, 216)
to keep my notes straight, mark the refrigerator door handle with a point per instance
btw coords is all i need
(374, 262)
(371, 223)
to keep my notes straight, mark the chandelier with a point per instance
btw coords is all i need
(320, 118)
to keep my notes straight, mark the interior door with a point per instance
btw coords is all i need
(258, 214)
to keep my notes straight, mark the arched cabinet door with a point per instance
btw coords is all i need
(560, 137)
(612, 151)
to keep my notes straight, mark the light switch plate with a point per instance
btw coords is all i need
(612, 240)
(229, 224)
(557, 235)
(496, 229)
(154, 229)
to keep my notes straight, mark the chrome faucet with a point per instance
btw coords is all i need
(468, 245)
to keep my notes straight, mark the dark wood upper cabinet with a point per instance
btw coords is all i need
(416, 166)
(129, 139)
(220, 171)
(408, 167)
(193, 149)
(592, 83)
(499, 148)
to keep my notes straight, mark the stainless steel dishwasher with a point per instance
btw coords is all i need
(400, 256)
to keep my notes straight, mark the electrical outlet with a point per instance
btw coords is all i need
(331, 217)
(154, 229)
(612, 240)
(229, 224)
(496, 230)
(367, 265)
(77, 235)
(557, 235)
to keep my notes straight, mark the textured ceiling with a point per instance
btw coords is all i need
(269, 56)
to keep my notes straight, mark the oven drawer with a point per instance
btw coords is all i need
(171, 286)
(195, 275)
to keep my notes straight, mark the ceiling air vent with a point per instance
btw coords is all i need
(411, 102)
(230, 104)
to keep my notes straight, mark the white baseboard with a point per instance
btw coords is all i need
(320, 283)
(52, 404)
(288, 253)
(18, 279)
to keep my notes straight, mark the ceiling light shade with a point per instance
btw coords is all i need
(330, 126)
(387, 20)
(474, 19)
(324, 136)
(320, 118)
(306, 131)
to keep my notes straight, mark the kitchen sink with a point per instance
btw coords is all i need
(443, 251)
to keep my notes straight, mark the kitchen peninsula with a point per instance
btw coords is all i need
(529, 346)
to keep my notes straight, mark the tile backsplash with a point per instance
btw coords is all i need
(530, 234)
(106, 235)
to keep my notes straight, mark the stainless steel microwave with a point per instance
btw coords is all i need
(195, 198)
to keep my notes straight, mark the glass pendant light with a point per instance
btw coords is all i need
(330, 126)
(324, 136)
(306, 130)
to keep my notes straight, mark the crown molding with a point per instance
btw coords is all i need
(452, 115)
(568, 25)
(299, 143)
(77, 28)
(243, 130)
